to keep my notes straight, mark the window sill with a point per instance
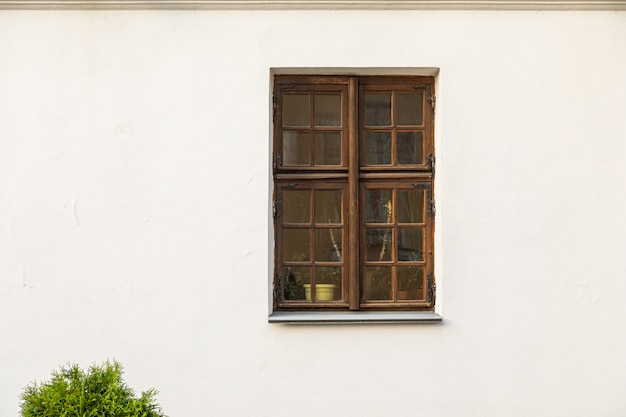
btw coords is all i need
(401, 317)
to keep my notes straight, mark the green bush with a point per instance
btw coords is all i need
(99, 392)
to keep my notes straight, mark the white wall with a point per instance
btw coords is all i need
(134, 224)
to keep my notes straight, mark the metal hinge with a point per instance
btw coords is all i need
(274, 105)
(276, 163)
(430, 161)
(277, 294)
(431, 99)
(276, 212)
(432, 290)
(430, 207)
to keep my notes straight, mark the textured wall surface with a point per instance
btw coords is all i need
(135, 217)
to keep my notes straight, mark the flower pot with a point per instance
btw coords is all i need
(323, 292)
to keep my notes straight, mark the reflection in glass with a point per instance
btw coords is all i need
(378, 244)
(409, 109)
(295, 148)
(378, 148)
(378, 109)
(327, 206)
(296, 109)
(327, 109)
(410, 282)
(328, 245)
(327, 148)
(410, 206)
(297, 206)
(296, 245)
(295, 279)
(378, 283)
(410, 148)
(378, 206)
(410, 244)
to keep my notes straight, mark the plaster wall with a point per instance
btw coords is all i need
(135, 224)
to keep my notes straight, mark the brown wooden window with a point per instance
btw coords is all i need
(353, 192)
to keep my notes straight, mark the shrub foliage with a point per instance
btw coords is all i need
(98, 392)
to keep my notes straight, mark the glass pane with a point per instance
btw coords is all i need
(378, 283)
(295, 148)
(328, 281)
(378, 206)
(328, 245)
(297, 206)
(410, 206)
(327, 148)
(327, 109)
(296, 109)
(378, 244)
(409, 109)
(378, 148)
(410, 148)
(296, 245)
(378, 109)
(410, 283)
(295, 279)
(410, 244)
(327, 206)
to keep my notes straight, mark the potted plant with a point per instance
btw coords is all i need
(327, 283)
(99, 391)
(294, 289)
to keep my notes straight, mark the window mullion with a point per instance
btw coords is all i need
(353, 194)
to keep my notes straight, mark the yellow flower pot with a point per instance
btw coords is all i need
(323, 292)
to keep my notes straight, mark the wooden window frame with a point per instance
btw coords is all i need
(354, 177)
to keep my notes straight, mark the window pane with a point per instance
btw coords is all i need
(327, 148)
(295, 279)
(296, 245)
(410, 206)
(378, 283)
(378, 109)
(327, 206)
(328, 245)
(297, 206)
(328, 281)
(296, 109)
(327, 109)
(409, 109)
(378, 206)
(410, 283)
(378, 148)
(378, 244)
(295, 148)
(410, 244)
(410, 148)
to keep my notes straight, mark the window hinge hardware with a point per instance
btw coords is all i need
(431, 99)
(276, 162)
(432, 289)
(277, 284)
(274, 105)
(430, 160)
(431, 208)
(275, 213)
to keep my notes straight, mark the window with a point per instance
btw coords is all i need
(353, 193)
